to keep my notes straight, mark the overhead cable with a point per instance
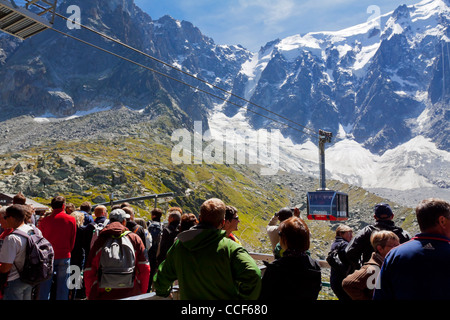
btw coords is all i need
(182, 71)
(177, 80)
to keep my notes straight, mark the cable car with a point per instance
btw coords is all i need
(23, 23)
(325, 204)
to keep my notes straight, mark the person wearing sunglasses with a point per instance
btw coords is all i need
(231, 223)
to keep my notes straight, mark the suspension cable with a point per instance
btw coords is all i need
(180, 70)
(177, 80)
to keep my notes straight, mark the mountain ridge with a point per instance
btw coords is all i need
(382, 98)
(378, 77)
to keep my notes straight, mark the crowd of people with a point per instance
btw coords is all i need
(101, 256)
(383, 262)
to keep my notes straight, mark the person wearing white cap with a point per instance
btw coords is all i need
(119, 215)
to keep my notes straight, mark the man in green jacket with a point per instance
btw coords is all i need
(207, 264)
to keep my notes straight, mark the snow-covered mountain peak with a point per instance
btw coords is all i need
(384, 82)
(429, 7)
(418, 21)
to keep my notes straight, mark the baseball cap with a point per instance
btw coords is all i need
(383, 211)
(118, 215)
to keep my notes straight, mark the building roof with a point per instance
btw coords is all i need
(35, 204)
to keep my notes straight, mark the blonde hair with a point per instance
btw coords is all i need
(380, 238)
(79, 217)
(341, 229)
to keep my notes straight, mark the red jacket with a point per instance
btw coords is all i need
(3, 281)
(60, 229)
(142, 269)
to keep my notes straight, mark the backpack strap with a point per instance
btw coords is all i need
(21, 233)
(26, 236)
(96, 226)
(121, 235)
(125, 233)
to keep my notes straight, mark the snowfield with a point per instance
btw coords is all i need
(417, 163)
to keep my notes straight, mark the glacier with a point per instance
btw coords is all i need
(417, 163)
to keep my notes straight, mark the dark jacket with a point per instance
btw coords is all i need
(78, 254)
(416, 270)
(100, 220)
(89, 232)
(359, 250)
(139, 230)
(168, 236)
(292, 277)
(337, 275)
(93, 292)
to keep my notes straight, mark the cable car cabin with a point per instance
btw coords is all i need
(327, 205)
(23, 23)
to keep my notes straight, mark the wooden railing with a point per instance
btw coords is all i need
(256, 256)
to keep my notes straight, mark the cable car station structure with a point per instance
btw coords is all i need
(23, 23)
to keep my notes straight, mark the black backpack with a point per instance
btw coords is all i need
(336, 263)
(155, 231)
(39, 259)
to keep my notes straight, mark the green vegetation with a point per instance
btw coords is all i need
(140, 164)
(134, 166)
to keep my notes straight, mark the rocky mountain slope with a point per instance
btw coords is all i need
(385, 81)
(381, 85)
(53, 75)
(88, 158)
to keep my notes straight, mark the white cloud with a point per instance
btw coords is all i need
(253, 23)
(273, 12)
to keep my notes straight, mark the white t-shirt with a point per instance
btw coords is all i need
(12, 250)
(272, 231)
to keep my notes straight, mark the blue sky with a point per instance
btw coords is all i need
(253, 23)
